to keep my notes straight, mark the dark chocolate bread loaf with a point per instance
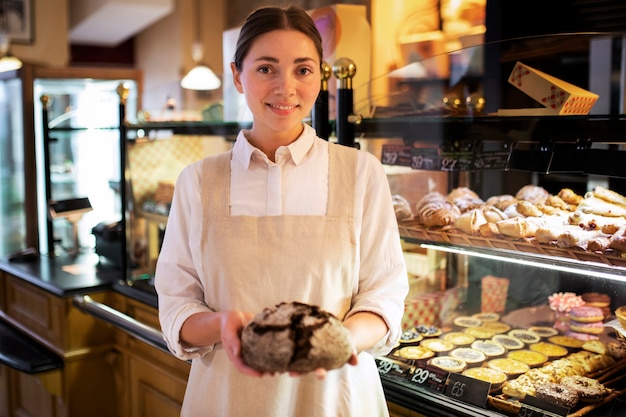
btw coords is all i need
(295, 337)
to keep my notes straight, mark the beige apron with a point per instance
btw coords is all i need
(255, 262)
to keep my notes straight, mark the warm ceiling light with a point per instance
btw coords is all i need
(200, 77)
(7, 61)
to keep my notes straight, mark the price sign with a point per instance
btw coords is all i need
(430, 377)
(491, 160)
(396, 155)
(457, 161)
(534, 407)
(427, 159)
(468, 390)
(392, 369)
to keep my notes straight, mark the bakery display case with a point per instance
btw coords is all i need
(506, 172)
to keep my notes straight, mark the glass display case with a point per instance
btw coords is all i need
(506, 171)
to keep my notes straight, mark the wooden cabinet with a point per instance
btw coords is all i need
(154, 380)
(85, 383)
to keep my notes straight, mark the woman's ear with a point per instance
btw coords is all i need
(236, 78)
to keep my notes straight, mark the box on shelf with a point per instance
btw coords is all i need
(557, 96)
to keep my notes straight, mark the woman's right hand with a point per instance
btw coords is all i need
(231, 324)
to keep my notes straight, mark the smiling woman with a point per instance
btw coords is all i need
(285, 216)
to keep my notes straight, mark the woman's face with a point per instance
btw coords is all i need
(280, 78)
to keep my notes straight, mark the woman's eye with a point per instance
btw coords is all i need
(265, 70)
(304, 71)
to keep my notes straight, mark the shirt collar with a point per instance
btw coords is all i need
(243, 150)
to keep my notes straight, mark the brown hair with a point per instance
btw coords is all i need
(267, 19)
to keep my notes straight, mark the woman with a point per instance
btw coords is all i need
(283, 216)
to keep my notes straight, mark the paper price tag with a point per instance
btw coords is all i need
(393, 369)
(491, 160)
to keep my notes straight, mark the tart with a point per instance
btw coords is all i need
(428, 331)
(525, 336)
(509, 342)
(448, 363)
(530, 357)
(549, 349)
(469, 355)
(414, 352)
(493, 376)
(496, 326)
(487, 317)
(467, 321)
(459, 338)
(489, 348)
(437, 345)
(480, 332)
(510, 367)
(567, 341)
(410, 336)
(544, 331)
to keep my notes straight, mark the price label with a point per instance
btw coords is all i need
(457, 161)
(491, 160)
(396, 155)
(393, 369)
(427, 159)
(430, 377)
(534, 407)
(468, 390)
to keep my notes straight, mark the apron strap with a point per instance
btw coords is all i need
(342, 173)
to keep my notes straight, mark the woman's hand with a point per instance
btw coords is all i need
(231, 325)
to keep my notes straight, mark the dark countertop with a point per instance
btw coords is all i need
(64, 275)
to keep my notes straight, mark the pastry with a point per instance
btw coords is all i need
(487, 317)
(533, 193)
(569, 196)
(529, 357)
(410, 336)
(551, 350)
(588, 389)
(493, 214)
(595, 346)
(510, 367)
(437, 345)
(448, 363)
(544, 331)
(467, 321)
(562, 302)
(295, 337)
(566, 341)
(525, 336)
(462, 192)
(489, 348)
(595, 205)
(428, 331)
(480, 332)
(414, 352)
(581, 336)
(586, 314)
(402, 208)
(469, 355)
(609, 195)
(616, 350)
(557, 394)
(496, 326)
(493, 376)
(587, 328)
(528, 209)
(501, 202)
(596, 299)
(459, 338)
(470, 221)
(509, 342)
(434, 209)
(517, 227)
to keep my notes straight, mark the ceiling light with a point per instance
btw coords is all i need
(201, 77)
(7, 61)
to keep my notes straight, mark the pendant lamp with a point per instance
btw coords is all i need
(200, 77)
(7, 61)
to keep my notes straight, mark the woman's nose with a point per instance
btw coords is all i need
(285, 85)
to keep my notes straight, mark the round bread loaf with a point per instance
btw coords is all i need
(295, 337)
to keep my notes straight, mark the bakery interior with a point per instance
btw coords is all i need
(511, 204)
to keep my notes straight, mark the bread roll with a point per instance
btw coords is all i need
(295, 337)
